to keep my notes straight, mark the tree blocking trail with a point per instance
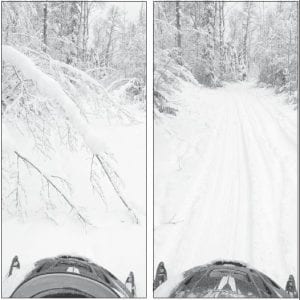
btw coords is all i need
(226, 173)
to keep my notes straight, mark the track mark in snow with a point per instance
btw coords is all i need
(239, 187)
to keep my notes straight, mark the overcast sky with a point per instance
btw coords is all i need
(132, 9)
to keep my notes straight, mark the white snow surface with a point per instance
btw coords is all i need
(226, 180)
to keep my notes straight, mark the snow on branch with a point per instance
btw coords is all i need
(73, 74)
(51, 89)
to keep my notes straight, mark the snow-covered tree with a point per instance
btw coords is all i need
(52, 103)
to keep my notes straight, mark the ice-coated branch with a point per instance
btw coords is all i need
(51, 183)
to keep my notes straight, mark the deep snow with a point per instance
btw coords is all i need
(226, 180)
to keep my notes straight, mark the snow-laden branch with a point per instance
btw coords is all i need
(87, 79)
(51, 89)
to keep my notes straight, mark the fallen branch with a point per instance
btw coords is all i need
(136, 220)
(79, 215)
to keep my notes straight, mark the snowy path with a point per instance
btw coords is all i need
(236, 194)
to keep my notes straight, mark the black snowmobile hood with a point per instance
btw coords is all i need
(65, 285)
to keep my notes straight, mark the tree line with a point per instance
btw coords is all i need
(92, 36)
(220, 41)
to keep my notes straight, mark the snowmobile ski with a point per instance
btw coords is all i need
(291, 287)
(130, 284)
(14, 264)
(161, 275)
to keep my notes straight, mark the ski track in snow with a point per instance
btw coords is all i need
(240, 199)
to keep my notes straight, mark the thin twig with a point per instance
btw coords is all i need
(64, 181)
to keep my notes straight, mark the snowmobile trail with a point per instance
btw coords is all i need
(241, 198)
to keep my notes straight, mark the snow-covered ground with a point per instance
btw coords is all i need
(226, 180)
(111, 241)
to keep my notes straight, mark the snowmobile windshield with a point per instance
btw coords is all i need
(218, 283)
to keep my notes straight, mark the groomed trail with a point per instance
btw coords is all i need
(226, 180)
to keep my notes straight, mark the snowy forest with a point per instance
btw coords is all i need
(221, 42)
(74, 133)
(225, 136)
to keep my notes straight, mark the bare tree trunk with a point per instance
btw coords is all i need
(159, 27)
(79, 32)
(215, 31)
(246, 34)
(84, 24)
(84, 32)
(45, 27)
(178, 25)
(207, 55)
(197, 17)
(88, 8)
(107, 52)
(221, 39)
(289, 54)
(112, 27)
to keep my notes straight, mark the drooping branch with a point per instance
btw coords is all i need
(51, 183)
(51, 89)
(116, 189)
